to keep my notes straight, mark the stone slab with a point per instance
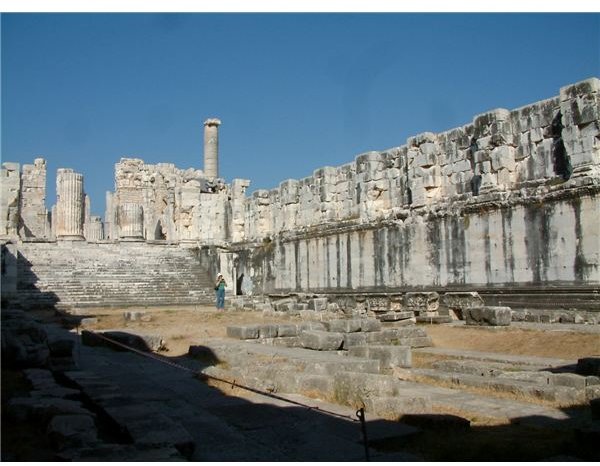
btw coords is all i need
(322, 341)
(343, 325)
(389, 356)
(243, 332)
(488, 315)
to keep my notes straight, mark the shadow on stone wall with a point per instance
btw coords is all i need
(20, 284)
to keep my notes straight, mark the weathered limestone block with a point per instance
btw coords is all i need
(503, 157)
(389, 356)
(267, 331)
(322, 341)
(243, 332)
(287, 330)
(421, 301)
(354, 339)
(488, 315)
(72, 430)
(370, 166)
(24, 341)
(343, 325)
(289, 192)
(34, 216)
(9, 200)
(395, 316)
(459, 301)
(580, 109)
(370, 325)
(318, 304)
(43, 408)
(378, 303)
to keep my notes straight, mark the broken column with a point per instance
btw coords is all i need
(131, 221)
(9, 207)
(69, 205)
(211, 148)
(94, 229)
(34, 216)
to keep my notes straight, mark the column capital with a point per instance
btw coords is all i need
(212, 122)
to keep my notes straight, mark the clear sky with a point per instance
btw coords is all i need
(295, 92)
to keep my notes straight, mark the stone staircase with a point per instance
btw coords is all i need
(67, 275)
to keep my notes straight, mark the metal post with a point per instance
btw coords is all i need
(361, 416)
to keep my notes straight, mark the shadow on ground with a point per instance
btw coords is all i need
(146, 402)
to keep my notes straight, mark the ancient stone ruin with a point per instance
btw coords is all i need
(505, 206)
(491, 223)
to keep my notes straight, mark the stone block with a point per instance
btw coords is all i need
(389, 357)
(60, 346)
(378, 303)
(322, 341)
(370, 325)
(287, 330)
(243, 332)
(390, 407)
(72, 430)
(395, 316)
(343, 325)
(503, 157)
(43, 409)
(267, 331)
(318, 304)
(354, 339)
(313, 385)
(569, 380)
(311, 325)
(488, 315)
(421, 301)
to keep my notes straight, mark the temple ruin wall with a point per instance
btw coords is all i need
(508, 201)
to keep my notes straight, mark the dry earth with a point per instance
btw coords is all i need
(181, 327)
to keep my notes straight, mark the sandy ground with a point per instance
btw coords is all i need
(181, 327)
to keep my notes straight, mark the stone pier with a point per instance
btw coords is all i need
(211, 148)
(69, 205)
(94, 229)
(131, 221)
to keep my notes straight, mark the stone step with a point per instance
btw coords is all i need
(557, 395)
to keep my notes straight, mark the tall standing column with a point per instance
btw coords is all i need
(211, 148)
(69, 205)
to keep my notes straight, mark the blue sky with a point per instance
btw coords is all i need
(295, 92)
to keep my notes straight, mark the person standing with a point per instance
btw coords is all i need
(220, 289)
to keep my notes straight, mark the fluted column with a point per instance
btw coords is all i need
(211, 147)
(131, 221)
(69, 205)
(94, 230)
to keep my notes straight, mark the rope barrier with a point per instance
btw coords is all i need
(233, 383)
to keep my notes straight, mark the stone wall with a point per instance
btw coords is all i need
(508, 201)
(176, 205)
(501, 152)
